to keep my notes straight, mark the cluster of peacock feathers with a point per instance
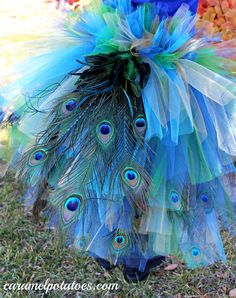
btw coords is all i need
(127, 128)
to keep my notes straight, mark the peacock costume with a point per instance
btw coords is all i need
(125, 119)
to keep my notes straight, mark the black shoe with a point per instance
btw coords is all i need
(154, 262)
(105, 264)
(134, 275)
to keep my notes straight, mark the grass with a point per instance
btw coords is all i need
(29, 252)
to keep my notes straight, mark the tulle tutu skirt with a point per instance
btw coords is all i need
(127, 120)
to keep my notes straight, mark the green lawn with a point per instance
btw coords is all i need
(29, 252)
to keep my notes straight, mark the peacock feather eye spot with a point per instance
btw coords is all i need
(175, 200)
(174, 197)
(38, 157)
(140, 122)
(204, 198)
(195, 252)
(120, 241)
(105, 129)
(73, 203)
(206, 202)
(72, 206)
(104, 132)
(131, 177)
(140, 125)
(69, 106)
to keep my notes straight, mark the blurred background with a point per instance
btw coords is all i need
(218, 16)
